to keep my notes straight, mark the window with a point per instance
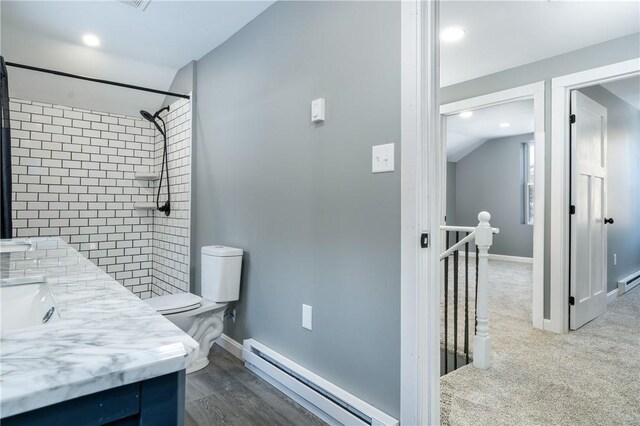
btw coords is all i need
(528, 178)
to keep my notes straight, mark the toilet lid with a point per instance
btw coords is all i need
(174, 303)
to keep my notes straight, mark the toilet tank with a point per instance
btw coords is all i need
(220, 276)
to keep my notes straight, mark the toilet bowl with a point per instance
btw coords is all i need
(202, 317)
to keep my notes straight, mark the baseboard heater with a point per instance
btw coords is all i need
(326, 400)
(628, 283)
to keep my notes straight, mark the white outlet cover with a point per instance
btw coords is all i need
(307, 317)
(382, 158)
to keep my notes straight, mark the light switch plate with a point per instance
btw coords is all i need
(382, 159)
(317, 110)
(307, 317)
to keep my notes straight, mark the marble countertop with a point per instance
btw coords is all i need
(106, 336)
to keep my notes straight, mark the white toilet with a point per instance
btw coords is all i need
(202, 317)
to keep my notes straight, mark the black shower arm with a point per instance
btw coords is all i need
(157, 114)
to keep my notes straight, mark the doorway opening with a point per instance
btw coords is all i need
(579, 247)
(604, 243)
(490, 167)
(493, 159)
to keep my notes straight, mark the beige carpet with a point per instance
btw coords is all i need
(587, 377)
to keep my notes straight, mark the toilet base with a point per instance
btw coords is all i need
(197, 365)
(204, 328)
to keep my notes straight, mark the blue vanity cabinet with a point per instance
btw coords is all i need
(154, 402)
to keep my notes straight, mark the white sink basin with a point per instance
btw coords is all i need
(11, 246)
(25, 302)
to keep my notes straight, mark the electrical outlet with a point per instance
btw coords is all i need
(307, 317)
(615, 259)
(382, 158)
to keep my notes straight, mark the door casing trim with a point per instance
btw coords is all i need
(535, 92)
(561, 88)
(419, 290)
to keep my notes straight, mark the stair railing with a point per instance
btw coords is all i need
(482, 235)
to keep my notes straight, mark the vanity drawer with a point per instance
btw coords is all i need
(155, 401)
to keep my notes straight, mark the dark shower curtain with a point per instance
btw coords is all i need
(6, 227)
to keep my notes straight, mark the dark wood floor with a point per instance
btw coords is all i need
(227, 393)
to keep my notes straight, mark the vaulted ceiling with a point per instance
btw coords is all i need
(465, 134)
(628, 90)
(166, 33)
(505, 34)
(144, 48)
(148, 47)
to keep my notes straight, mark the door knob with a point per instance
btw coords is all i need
(608, 220)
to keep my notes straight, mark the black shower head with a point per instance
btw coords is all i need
(147, 116)
(152, 118)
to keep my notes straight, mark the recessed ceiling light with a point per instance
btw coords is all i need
(91, 40)
(466, 114)
(452, 34)
(505, 125)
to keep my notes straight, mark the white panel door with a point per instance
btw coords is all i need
(589, 196)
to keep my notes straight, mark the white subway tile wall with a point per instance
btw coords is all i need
(73, 177)
(171, 234)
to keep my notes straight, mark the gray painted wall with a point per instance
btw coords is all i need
(490, 178)
(318, 228)
(623, 183)
(613, 51)
(184, 82)
(450, 209)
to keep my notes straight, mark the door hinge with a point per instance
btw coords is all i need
(572, 209)
(572, 300)
(572, 118)
(424, 240)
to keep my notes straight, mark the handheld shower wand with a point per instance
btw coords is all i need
(166, 208)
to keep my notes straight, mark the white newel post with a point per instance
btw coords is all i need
(481, 342)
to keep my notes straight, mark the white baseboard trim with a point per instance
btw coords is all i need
(511, 258)
(612, 295)
(230, 345)
(503, 257)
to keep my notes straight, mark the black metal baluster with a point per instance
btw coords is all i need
(455, 304)
(466, 302)
(446, 306)
(476, 295)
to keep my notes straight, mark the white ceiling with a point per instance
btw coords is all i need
(147, 48)
(628, 90)
(167, 33)
(33, 49)
(466, 134)
(504, 34)
(141, 48)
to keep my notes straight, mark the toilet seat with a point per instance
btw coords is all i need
(175, 303)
